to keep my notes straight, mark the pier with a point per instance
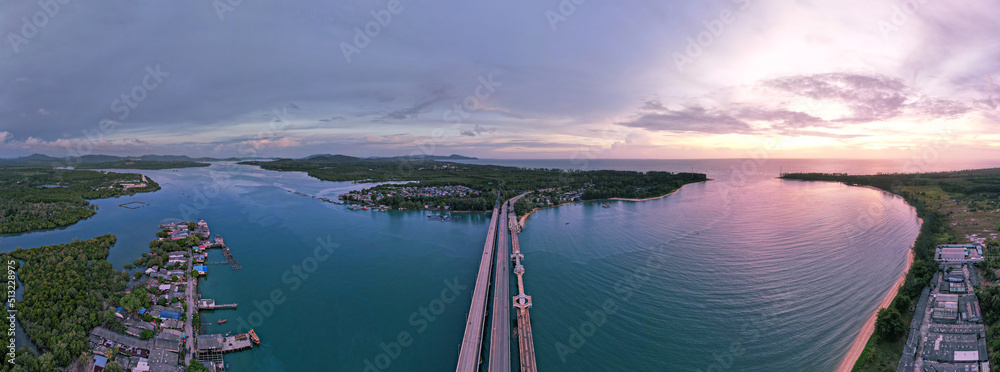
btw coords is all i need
(212, 347)
(522, 302)
(502, 232)
(468, 356)
(500, 334)
(220, 242)
(209, 304)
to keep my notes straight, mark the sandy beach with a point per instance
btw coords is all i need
(866, 332)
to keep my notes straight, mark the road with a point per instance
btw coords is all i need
(500, 334)
(468, 356)
(191, 306)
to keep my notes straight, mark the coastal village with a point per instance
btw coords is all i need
(947, 331)
(162, 335)
(369, 199)
(373, 196)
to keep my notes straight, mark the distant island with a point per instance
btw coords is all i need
(440, 185)
(959, 207)
(109, 162)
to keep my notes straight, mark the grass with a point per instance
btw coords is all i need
(882, 356)
(970, 218)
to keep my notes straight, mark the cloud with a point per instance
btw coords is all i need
(66, 146)
(416, 109)
(477, 130)
(786, 106)
(42, 111)
(796, 62)
(332, 118)
(632, 139)
(689, 119)
(271, 143)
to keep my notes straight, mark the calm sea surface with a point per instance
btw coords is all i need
(745, 272)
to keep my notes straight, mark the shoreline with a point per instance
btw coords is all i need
(525, 216)
(859, 344)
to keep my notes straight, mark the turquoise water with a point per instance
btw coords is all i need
(748, 272)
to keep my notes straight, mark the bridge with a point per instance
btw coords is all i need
(522, 302)
(500, 335)
(468, 356)
(502, 232)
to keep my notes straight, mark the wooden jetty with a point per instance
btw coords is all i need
(522, 302)
(209, 304)
(222, 344)
(220, 242)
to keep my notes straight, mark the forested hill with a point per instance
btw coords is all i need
(107, 162)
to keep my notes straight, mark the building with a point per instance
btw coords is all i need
(947, 333)
(100, 362)
(167, 314)
(959, 253)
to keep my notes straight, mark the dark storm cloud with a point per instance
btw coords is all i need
(85, 65)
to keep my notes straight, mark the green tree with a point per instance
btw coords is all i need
(196, 366)
(113, 366)
(889, 324)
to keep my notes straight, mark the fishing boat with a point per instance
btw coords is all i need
(605, 206)
(253, 337)
(222, 321)
(228, 333)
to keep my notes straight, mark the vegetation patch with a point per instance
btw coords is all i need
(39, 198)
(67, 292)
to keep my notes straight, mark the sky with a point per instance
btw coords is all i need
(514, 79)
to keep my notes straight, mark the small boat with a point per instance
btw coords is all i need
(605, 206)
(253, 337)
(228, 333)
(222, 321)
